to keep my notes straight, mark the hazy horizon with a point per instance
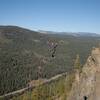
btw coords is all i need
(40, 30)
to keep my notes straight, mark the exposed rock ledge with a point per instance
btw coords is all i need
(87, 86)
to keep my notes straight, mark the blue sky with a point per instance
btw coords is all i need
(52, 15)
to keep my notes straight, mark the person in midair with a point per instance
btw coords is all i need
(54, 50)
(53, 47)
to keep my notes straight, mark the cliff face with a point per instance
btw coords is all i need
(87, 84)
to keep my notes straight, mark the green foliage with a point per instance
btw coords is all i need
(56, 89)
(21, 49)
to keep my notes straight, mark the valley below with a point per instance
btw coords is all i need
(37, 65)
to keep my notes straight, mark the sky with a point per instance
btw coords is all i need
(52, 15)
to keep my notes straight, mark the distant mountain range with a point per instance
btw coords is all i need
(76, 34)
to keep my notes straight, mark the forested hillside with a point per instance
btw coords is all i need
(23, 50)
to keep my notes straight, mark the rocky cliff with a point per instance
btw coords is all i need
(87, 83)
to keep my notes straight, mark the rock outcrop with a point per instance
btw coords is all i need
(85, 87)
